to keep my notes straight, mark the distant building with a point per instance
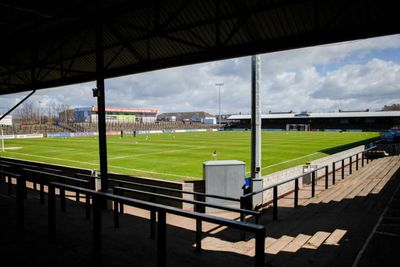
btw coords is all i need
(334, 121)
(89, 114)
(199, 116)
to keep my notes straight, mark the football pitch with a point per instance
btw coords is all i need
(180, 156)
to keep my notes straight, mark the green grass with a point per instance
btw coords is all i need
(180, 156)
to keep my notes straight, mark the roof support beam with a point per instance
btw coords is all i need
(101, 114)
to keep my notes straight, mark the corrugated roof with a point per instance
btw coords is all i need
(46, 44)
(186, 115)
(372, 114)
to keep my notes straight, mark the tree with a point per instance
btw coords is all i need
(391, 107)
(28, 112)
(65, 113)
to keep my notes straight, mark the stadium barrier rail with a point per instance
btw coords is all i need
(17, 167)
(119, 186)
(366, 155)
(162, 210)
(44, 178)
(200, 208)
(20, 195)
(198, 196)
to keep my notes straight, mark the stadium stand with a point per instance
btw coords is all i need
(111, 126)
(307, 235)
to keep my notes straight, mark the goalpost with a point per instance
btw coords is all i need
(297, 127)
(7, 120)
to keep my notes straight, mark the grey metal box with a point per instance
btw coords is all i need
(224, 178)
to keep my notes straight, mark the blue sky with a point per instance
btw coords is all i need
(361, 57)
(352, 75)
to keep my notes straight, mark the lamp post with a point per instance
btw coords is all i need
(40, 106)
(219, 102)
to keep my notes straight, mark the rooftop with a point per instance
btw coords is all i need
(370, 114)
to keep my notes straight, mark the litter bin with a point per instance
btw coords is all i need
(308, 168)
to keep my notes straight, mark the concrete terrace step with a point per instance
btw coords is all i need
(333, 189)
(379, 173)
(328, 230)
(347, 185)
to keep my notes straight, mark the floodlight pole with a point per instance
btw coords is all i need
(40, 118)
(2, 138)
(101, 106)
(255, 119)
(219, 103)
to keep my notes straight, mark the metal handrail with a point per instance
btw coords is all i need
(58, 176)
(119, 181)
(365, 150)
(175, 190)
(162, 210)
(250, 212)
(61, 178)
(20, 165)
(299, 176)
(281, 183)
(244, 198)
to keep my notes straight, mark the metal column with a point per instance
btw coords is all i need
(255, 118)
(101, 106)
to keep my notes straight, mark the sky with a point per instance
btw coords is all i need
(356, 75)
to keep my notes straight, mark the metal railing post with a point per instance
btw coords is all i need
(326, 176)
(356, 162)
(121, 205)
(77, 196)
(275, 204)
(199, 233)
(362, 159)
(41, 188)
(20, 202)
(342, 168)
(51, 211)
(313, 184)
(87, 206)
(333, 172)
(350, 165)
(153, 219)
(198, 207)
(97, 203)
(9, 185)
(242, 206)
(161, 239)
(115, 211)
(62, 199)
(260, 248)
(296, 193)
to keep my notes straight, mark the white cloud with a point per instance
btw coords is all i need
(290, 80)
(377, 79)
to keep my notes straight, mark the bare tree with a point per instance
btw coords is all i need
(391, 107)
(65, 113)
(28, 113)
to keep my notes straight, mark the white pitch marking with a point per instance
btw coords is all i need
(158, 152)
(286, 161)
(117, 167)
